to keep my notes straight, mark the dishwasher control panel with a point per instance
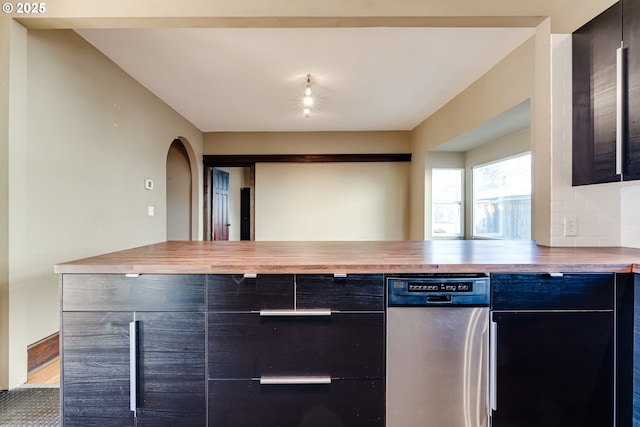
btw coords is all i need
(440, 287)
(435, 290)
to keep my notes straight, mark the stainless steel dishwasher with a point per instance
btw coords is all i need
(438, 350)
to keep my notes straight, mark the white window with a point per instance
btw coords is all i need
(446, 205)
(502, 199)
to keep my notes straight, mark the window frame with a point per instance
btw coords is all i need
(500, 235)
(461, 224)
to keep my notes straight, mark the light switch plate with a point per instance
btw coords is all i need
(151, 210)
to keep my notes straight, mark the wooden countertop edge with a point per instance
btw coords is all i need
(345, 268)
(199, 257)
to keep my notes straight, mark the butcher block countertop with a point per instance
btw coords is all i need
(451, 256)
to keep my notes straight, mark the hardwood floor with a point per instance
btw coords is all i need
(48, 374)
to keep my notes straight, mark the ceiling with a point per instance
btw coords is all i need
(253, 79)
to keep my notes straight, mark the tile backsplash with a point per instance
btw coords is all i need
(606, 214)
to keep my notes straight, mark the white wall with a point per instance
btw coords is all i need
(332, 201)
(77, 172)
(606, 213)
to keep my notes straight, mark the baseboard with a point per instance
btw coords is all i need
(43, 352)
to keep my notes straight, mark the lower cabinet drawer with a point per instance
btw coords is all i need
(341, 345)
(146, 292)
(576, 291)
(351, 293)
(342, 403)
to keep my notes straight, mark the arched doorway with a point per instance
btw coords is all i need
(179, 190)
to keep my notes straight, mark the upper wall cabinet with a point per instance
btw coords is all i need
(606, 106)
(631, 37)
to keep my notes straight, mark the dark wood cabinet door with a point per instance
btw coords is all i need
(594, 98)
(170, 363)
(172, 376)
(351, 293)
(343, 403)
(554, 369)
(228, 292)
(95, 369)
(631, 37)
(343, 345)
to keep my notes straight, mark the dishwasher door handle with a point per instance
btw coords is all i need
(439, 299)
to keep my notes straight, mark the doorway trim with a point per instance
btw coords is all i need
(209, 190)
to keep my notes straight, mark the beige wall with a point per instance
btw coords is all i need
(335, 201)
(508, 84)
(332, 201)
(566, 15)
(92, 136)
(306, 142)
(179, 203)
(13, 78)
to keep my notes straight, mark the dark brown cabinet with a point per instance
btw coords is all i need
(316, 357)
(133, 350)
(222, 350)
(606, 105)
(345, 403)
(553, 342)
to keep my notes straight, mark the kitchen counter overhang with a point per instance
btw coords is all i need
(443, 256)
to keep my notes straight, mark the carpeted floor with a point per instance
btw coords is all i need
(30, 406)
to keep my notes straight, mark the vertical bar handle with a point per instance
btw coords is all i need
(133, 365)
(621, 65)
(493, 366)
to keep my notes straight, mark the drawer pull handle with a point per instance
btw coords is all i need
(250, 275)
(556, 274)
(303, 313)
(304, 380)
(339, 275)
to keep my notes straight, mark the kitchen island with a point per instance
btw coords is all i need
(453, 256)
(279, 333)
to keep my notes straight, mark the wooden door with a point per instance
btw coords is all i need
(220, 204)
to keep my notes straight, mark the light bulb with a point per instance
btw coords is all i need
(307, 91)
(307, 101)
(306, 111)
